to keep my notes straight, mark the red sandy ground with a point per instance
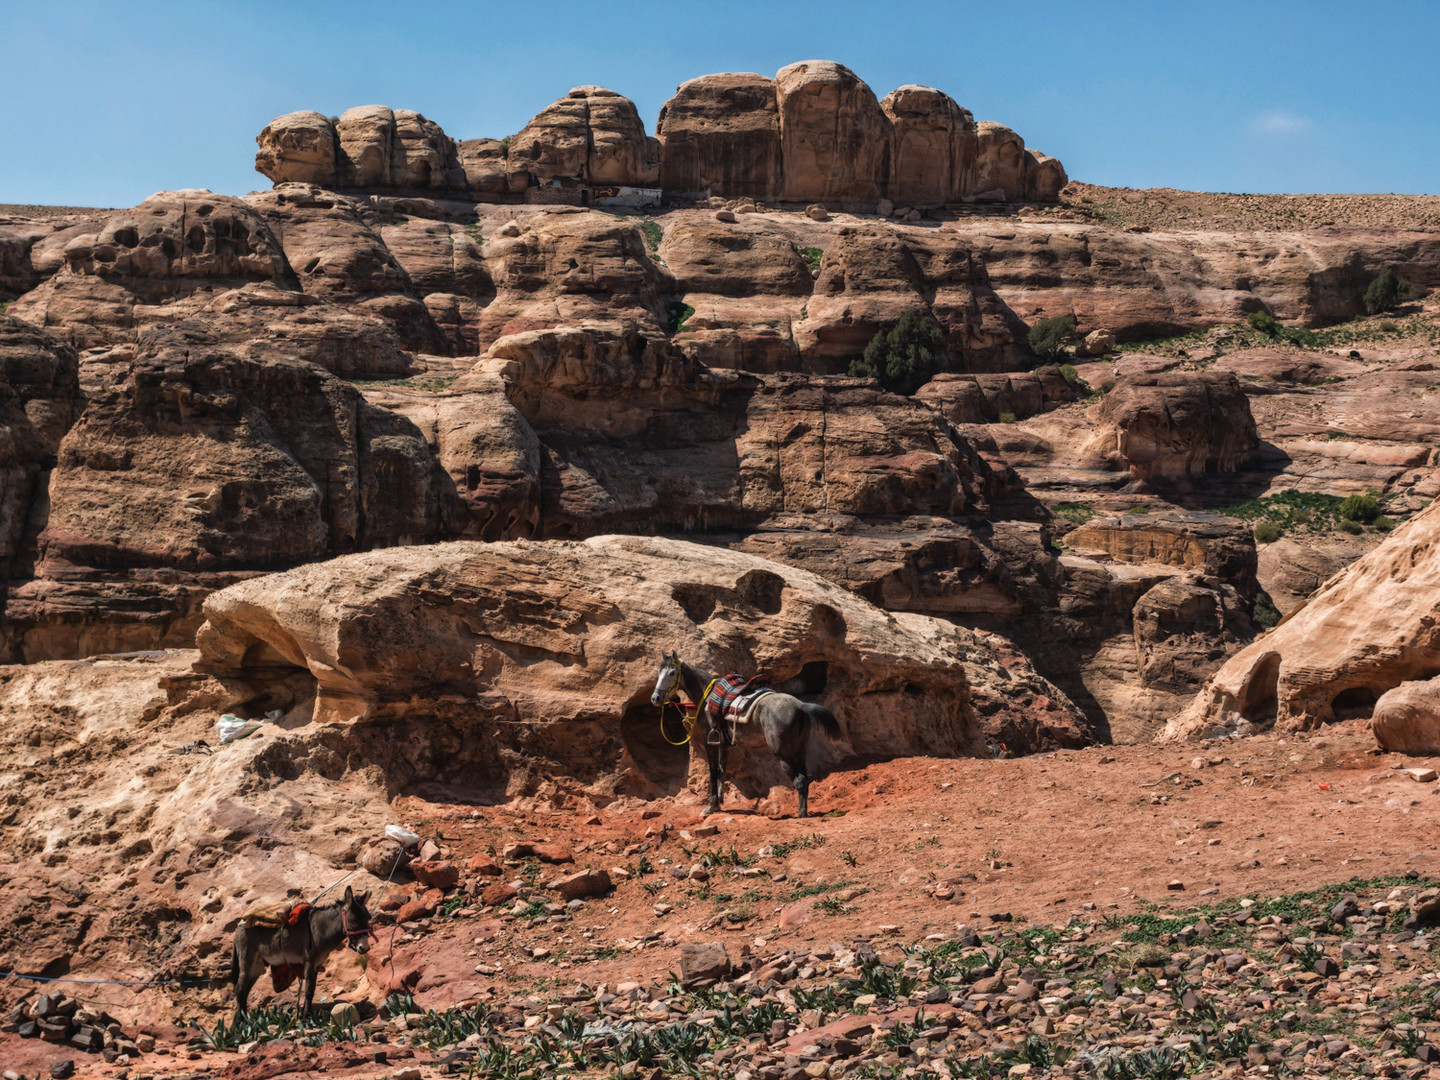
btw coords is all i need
(1108, 826)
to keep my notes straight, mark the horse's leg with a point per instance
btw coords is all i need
(716, 762)
(802, 785)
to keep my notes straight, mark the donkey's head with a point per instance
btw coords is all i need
(355, 920)
(667, 682)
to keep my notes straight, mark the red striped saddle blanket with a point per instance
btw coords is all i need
(733, 696)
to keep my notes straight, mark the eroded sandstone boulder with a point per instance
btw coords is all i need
(178, 241)
(1000, 163)
(298, 147)
(833, 134)
(1407, 718)
(592, 134)
(933, 148)
(721, 133)
(389, 635)
(1370, 628)
(1176, 423)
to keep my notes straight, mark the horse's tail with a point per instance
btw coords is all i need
(824, 718)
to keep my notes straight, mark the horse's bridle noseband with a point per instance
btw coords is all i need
(351, 935)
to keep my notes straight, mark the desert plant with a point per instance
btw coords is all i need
(1267, 532)
(1107, 386)
(1266, 613)
(905, 356)
(1048, 336)
(1383, 523)
(1354, 528)
(1361, 508)
(1385, 292)
(1007, 418)
(1262, 322)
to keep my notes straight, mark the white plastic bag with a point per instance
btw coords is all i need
(232, 727)
(406, 838)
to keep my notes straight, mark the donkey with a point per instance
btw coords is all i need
(786, 722)
(305, 944)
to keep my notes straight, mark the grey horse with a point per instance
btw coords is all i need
(318, 931)
(786, 722)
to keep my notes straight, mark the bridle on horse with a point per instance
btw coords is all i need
(689, 710)
(350, 935)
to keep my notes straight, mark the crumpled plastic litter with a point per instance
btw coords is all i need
(232, 727)
(406, 838)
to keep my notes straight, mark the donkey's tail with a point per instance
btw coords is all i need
(824, 718)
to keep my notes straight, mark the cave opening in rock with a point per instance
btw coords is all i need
(660, 763)
(1355, 703)
(1259, 701)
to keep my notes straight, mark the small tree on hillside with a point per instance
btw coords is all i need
(903, 357)
(1386, 292)
(1048, 336)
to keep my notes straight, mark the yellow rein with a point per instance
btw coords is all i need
(688, 715)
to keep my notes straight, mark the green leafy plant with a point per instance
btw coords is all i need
(1007, 418)
(812, 257)
(1107, 385)
(653, 234)
(1386, 292)
(905, 356)
(1073, 512)
(1049, 336)
(1266, 613)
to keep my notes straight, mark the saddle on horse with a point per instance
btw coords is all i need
(733, 696)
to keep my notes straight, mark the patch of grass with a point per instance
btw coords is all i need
(807, 840)
(1296, 511)
(812, 257)
(1075, 513)
(653, 234)
(1006, 418)
(800, 892)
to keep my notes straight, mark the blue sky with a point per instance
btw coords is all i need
(105, 103)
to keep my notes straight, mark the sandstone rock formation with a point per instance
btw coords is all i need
(382, 636)
(39, 400)
(1369, 629)
(1171, 424)
(194, 461)
(813, 133)
(721, 133)
(933, 146)
(1407, 718)
(833, 134)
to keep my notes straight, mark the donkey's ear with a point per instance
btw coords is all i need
(349, 893)
(364, 897)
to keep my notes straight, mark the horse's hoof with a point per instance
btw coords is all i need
(709, 810)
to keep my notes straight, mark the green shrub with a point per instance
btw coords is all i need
(903, 357)
(1383, 523)
(1267, 532)
(1387, 326)
(1263, 322)
(1385, 292)
(679, 316)
(1362, 508)
(653, 234)
(1352, 527)
(1071, 376)
(1048, 336)
(1266, 614)
(1107, 386)
(1007, 418)
(812, 257)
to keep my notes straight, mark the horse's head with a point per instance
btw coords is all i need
(667, 682)
(355, 920)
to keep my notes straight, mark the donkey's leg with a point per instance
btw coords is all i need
(308, 987)
(802, 785)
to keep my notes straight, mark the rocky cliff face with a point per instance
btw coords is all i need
(813, 133)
